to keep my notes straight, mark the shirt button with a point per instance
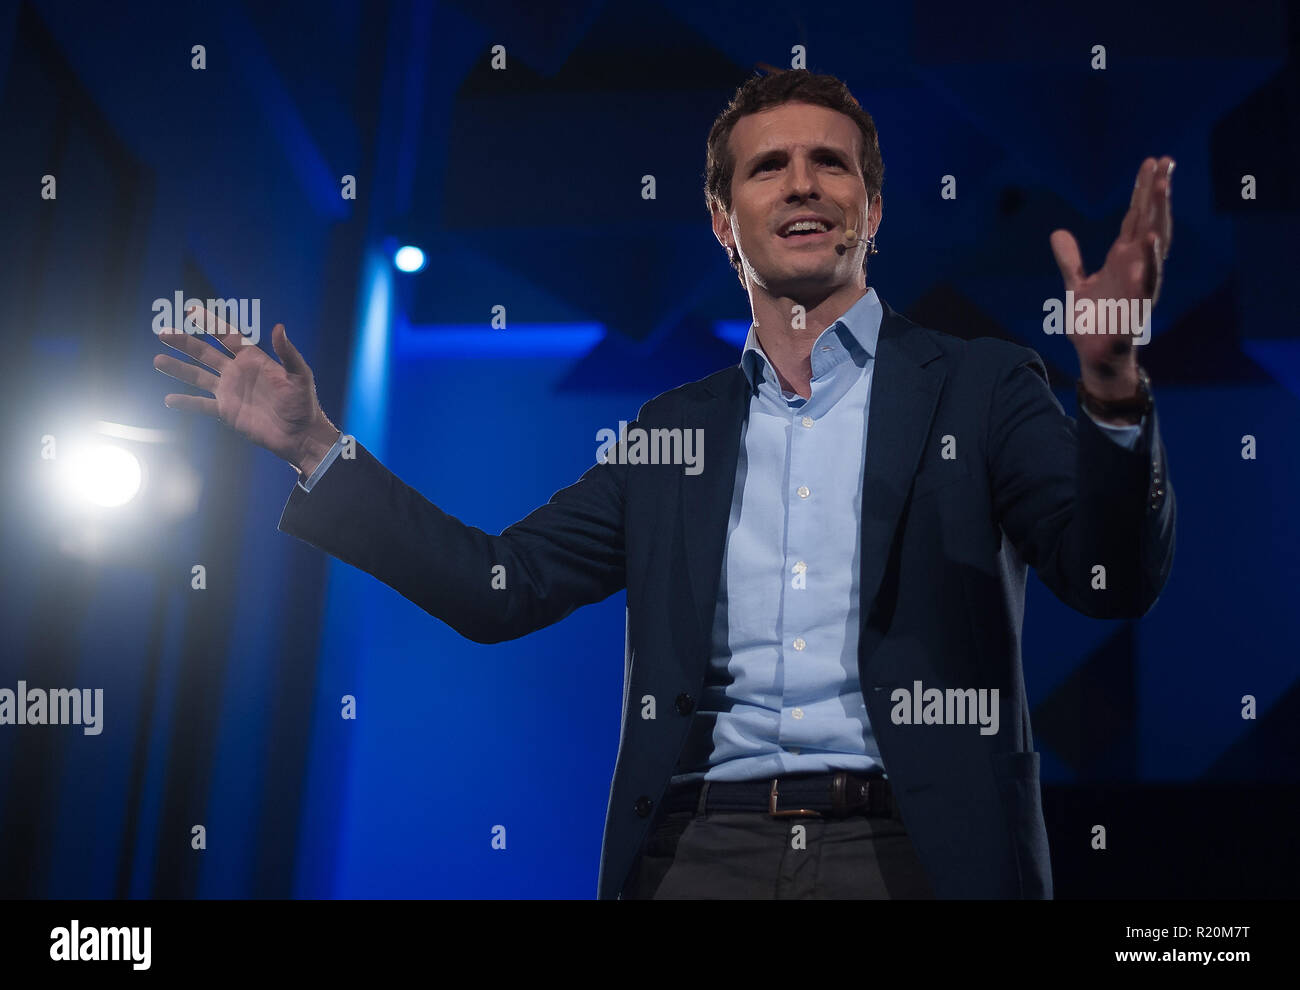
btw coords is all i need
(797, 713)
(800, 567)
(799, 644)
(807, 422)
(803, 491)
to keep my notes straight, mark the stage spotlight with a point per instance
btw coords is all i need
(111, 492)
(409, 258)
(104, 474)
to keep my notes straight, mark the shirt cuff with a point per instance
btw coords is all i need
(1126, 436)
(323, 466)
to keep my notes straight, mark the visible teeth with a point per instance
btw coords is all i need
(806, 225)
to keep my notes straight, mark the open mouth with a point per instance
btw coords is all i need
(805, 235)
(806, 231)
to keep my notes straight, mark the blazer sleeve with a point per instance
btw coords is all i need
(564, 554)
(1072, 501)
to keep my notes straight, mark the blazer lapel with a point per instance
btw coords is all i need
(706, 497)
(905, 391)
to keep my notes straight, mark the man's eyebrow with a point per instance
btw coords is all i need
(783, 152)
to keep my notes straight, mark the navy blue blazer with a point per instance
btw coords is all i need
(945, 545)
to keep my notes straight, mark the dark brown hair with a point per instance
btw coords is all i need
(761, 93)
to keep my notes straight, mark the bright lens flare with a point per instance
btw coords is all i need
(409, 259)
(104, 475)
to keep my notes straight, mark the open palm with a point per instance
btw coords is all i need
(1134, 266)
(272, 404)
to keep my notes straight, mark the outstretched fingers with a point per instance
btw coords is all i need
(1151, 199)
(1162, 216)
(1156, 251)
(1135, 218)
(215, 327)
(190, 374)
(192, 403)
(1066, 251)
(293, 362)
(189, 344)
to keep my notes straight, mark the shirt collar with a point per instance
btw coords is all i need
(862, 322)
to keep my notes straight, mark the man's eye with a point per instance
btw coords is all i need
(767, 164)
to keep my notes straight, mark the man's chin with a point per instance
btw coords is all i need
(793, 280)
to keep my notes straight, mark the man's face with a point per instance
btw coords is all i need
(797, 160)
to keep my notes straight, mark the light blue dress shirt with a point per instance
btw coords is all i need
(781, 692)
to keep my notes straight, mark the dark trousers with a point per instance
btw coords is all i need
(750, 854)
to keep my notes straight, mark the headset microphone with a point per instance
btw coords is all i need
(850, 236)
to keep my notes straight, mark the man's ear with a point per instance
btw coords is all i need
(722, 228)
(874, 213)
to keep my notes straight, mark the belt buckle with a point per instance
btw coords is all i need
(840, 804)
(789, 812)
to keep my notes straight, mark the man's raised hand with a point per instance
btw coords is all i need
(273, 405)
(1133, 270)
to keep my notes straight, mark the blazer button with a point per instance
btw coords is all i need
(643, 806)
(685, 704)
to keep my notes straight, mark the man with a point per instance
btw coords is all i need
(823, 689)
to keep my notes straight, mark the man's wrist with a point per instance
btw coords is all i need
(1111, 382)
(1121, 398)
(315, 445)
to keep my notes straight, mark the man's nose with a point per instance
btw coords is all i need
(802, 179)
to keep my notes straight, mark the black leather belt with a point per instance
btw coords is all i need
(822, 795)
